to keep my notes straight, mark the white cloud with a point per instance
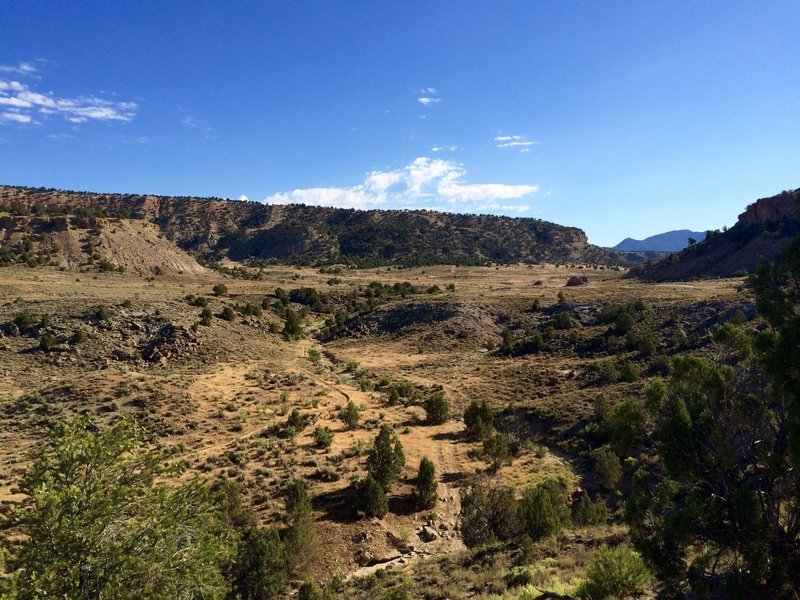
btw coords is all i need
(30, 104)
(17, 117)
(433, 183)
(443, 148)
(428, 96)
(513, 141)
(244, 198)
(23, 68)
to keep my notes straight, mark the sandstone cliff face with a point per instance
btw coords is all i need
(769, 210)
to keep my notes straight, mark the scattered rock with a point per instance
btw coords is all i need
(362, 537)
(577, 280)
(427, 534)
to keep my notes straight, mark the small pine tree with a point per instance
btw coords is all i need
(479, 419)
(372, 499)
(292, 329)
(228, 314)
(608, 468)
(544, 509)
(587, 512)
(427, 489)
(386, 460)
(350, 415)
(260, 569)
(394, 396)
(496, 449)
(437, 408)
(220, 289)
(301, 541)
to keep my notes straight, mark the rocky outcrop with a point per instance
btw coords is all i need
(761, 232)
(769, 210)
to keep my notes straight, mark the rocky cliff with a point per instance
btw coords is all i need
(760, 233)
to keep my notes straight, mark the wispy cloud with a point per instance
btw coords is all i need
(428, 96)
(25, 105)
(15, 116)
(425, 182)
(445, 148)
(514, 141)
(23, 68)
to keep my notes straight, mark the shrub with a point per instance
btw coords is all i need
(220, 290)
(437, 408)
(544, 509)
(97, 526)
(47, 342)
(350, 415)
(564, 321)
(315, 356)
(24, 320)
(626, 423)
(586, 512)
(488, 513)
(78, 337)
(200, 301)
(282, 296)
(260, 569)
(607, 467)
(629, 372)
(309, 590)
(297, 420)
(205, 316)
(102, 313)
(386, 460)
(496, 449)
(479, 419)
(616, 572)
(427, 489)
(293, 328)
(252, 310)
(228, 314)
(323, 437)
(372, 499)
(647, 345)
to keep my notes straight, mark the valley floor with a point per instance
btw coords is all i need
(221, 392)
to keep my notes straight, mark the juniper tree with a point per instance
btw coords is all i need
(426, 489)
(386, 460)
(97, 525)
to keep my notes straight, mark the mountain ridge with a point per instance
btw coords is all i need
(669, 241)
(216, 229)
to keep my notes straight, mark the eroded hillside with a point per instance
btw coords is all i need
(214, 229)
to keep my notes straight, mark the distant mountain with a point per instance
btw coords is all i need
(214, 229)
(760, 233)
(671, 241)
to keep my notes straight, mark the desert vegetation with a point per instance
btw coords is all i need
(436, 431)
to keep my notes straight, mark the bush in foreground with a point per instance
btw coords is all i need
(616, 572)
(98, 526)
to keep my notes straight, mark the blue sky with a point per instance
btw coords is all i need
(622, 118)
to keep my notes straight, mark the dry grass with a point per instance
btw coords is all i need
(224, 400)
